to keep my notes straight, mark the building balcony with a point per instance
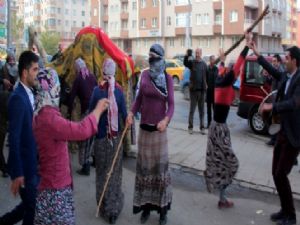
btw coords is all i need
(124, 15)
(105, 2)
(217, 5)
(182, 31)
(124, 1)
(251, 4)
(183, 9)
(217, 28)
(248, 23)
(124, 34)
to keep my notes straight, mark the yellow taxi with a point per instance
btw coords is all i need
(175, 68)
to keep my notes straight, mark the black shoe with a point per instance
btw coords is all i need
(145, 216)
(112, 220)
(93, 164)
(85, 170)
(270, 143)
(275, 217)
(163, 220)
(289, 220)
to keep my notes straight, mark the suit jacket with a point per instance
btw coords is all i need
(286, 105)
(22, 158)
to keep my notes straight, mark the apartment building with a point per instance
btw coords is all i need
(298, 27)
(177, 24)
(66, 17)
(291, 23)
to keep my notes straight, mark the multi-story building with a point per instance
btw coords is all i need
(298, 27)
(66, 17)
(291, 23)
(178, 24)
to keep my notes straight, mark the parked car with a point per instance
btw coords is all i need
(254, 88)
(175, 68)
(179, 57)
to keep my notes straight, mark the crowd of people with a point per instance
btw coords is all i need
(39, 163)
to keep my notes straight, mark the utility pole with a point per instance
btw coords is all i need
(188, 25)
(8, 43)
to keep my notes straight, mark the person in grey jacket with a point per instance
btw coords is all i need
(287, 146)
(198, 87)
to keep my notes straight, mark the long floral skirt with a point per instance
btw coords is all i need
(153, 179)
(221, 162)
(55, 206)
(113, 200)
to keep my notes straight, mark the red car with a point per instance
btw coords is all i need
(254, 88)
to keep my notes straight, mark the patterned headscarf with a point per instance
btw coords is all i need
(109, 71)
(157, 68)
(81, 68)
(48, 89)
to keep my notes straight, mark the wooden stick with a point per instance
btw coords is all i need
(235, 45)
(111, 169)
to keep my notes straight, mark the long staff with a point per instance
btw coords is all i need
(235, 45)
(111, 169)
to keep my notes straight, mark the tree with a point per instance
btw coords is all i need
(50, 41)
(17, 28)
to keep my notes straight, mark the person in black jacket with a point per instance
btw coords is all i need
(286, 150)
(212, 73)
(188, 59)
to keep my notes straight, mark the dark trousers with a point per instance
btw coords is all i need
(25, 210)
(284, 157)
(196, 98)
(210, 106)
(3, 127)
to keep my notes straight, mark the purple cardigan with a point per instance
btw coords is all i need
(150, 103)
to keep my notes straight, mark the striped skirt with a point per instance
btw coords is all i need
(55, 207)
(221, 162)
(153, 180)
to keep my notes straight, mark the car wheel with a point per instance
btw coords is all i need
(176, 80)
(256, 122)
(186, 93)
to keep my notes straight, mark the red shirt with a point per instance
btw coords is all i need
(52, 133)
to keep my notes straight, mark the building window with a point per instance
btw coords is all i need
(58, 10)
(143, 3)
(82, 13)
(171, 42)
(221, 42)
(198, 19)
(83, 24)
(169, 22)
(233, 17)
(66, 23)
(182, 41)
(74, 1)
(206, 18)
(234, 39)
(74, 23)
(124, 24)
(74, 12)
(51, 22)
(154, 3)
(143, 23)
(124, 7)
(182, 2)
(133, 23)
(59, 22)
(95, 11)
(181, 19)
(154, 22)
(66, 11)
(218, 18)
(134, 5)
(169, 2)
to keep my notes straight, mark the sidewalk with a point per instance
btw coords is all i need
(255, 157)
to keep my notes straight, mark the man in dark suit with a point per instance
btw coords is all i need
(286, 150)
(22, 159)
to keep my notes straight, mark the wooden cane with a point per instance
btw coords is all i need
(235, 45)
(111, 169)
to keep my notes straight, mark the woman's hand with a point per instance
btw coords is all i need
(101, 106)
(129, 119)
(162, 125)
